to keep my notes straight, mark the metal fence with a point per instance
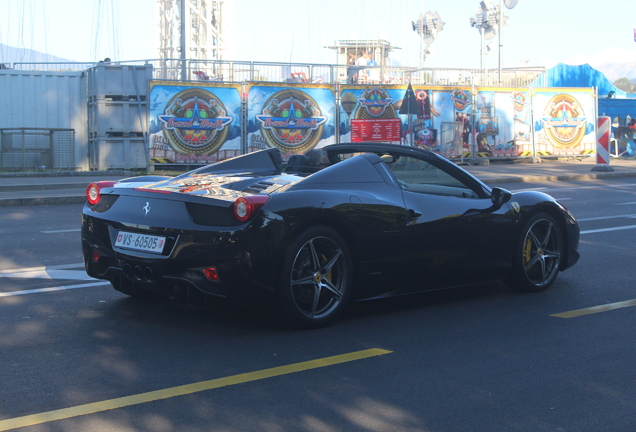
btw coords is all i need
(29, 148)
(243, 71)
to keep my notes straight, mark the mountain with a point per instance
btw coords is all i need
(614, 71)
(612, 62)
(10, 54)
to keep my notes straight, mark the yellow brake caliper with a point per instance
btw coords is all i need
(324, 260)
(527, 248)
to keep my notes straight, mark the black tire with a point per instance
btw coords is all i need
(316, 278)
(537, 255)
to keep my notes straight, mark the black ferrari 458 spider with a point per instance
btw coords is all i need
(304, 238)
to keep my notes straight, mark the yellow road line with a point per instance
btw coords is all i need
(111, 404)
(595, 309)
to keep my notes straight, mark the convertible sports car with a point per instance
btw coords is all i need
(302, 239)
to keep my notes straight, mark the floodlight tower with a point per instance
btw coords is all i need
(427, 26)
(486, 20)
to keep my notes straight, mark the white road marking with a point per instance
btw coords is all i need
(609, 229)
(53, 267)
(586, 187)
(528, 189)
(627, 203)
(48, 274)
(60, 288)
(625, 216)
(51, 272)
(628, 216)
(61, 231)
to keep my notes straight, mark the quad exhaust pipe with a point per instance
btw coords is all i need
(137, 273)
(148, 274)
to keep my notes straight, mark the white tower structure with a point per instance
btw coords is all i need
(206, 33)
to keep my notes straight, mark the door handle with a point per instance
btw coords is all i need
(414, 214)
(407, 217)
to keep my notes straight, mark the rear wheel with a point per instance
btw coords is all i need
(537, 255)
(316, 278)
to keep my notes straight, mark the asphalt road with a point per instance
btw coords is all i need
(473, 359)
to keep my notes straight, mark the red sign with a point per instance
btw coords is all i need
(376, 130)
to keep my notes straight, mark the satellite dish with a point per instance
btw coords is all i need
(511, 3)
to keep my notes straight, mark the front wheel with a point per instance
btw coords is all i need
(316, 278)
(537, 255)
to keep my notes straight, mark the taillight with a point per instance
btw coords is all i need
(95, 256)
(211, 274)
(245, 208)
(93, 191)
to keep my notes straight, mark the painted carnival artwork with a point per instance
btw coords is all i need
(194, 124)
(295, 120)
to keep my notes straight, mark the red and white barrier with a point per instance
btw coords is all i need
(602, 140)
(604, 126)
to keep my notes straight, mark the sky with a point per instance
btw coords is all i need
(538, 32)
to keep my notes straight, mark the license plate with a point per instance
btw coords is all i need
(141, 242)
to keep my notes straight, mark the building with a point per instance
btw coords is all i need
(208, 32)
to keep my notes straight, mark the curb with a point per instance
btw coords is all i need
(15, 202)
(42, 187)
(70, 174)
(567, 177)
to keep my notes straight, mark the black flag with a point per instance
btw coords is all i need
(410, 104)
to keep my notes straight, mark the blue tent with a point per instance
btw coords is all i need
(563, 75)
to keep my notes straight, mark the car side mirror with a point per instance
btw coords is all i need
(500, 196)
(388, 158)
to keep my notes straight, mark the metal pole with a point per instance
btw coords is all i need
(422, 44)
(183, 40)
(500, 38)
(473, 121)
(149, 168)
(481, 55)
(532, 130)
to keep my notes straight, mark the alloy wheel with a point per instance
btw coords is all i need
(541, 254)
(319, 277)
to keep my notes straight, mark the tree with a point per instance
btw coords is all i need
(625, 85)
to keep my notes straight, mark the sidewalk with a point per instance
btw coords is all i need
(551, 170)
(17, 189)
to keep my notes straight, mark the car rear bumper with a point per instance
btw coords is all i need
(243, 261)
